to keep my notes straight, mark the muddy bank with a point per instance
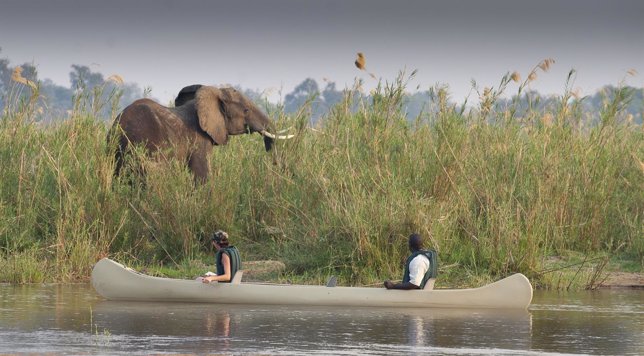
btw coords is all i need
(623, 280)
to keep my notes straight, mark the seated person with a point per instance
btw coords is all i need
(227, 259)
(417, 268)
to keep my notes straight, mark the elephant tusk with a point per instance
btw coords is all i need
(284, 131)
(276, 137)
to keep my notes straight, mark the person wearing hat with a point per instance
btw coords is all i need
(227, 259)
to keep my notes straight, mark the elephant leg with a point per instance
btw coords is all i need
(198, 164)
(118, 161)
(129, 166)
(115, 148)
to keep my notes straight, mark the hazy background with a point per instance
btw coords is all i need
(275, 45)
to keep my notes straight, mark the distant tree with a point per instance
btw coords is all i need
(131, 92)
(417, 104)
(98, 95)
(83, 77)
(331, 95)
(636, 107)
(57, 99)
(5, 77)
(30, 72)
(307, 90)
(633, 104)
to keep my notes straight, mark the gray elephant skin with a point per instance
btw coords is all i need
(204, 117)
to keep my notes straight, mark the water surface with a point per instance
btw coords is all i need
(72, 319)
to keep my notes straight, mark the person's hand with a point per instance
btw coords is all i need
(389, 285)
(205, 280)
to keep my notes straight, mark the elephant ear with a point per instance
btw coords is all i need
(211, 117)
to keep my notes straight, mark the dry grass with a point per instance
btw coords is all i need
(361, 63)
(17, 77)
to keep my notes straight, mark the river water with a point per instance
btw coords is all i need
(73, 319)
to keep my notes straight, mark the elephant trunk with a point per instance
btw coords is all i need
(268, 143)
(262, 127)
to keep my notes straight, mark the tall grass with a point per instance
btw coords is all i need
(494, 193)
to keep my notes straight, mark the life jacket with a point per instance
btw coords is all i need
(432, 271)
(235, 261)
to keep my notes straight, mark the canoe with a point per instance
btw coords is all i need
(113, 281)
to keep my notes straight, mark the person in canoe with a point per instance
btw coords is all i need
(227, 259)
(420, 266)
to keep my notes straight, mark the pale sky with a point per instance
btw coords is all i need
(273, 45)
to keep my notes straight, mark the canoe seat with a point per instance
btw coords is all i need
(237, 278)
(428, 286)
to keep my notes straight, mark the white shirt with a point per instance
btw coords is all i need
(417, 269)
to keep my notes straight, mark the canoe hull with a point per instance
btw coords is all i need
(114, 281)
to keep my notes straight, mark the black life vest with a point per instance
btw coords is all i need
(432, 271)
(235, 261)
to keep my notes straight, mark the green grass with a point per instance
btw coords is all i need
(492, 192)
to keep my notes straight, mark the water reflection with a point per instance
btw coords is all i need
(280, 327)
(72, 319)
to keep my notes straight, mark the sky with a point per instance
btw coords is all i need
(272, 46)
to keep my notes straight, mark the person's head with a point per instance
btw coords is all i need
(220, 239)
(415, 242)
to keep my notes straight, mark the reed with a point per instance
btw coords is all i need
(492, 191)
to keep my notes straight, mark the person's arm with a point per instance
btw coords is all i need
(225, 259)
(407, 285)
(224, 277)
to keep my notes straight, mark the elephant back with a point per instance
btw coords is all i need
(146, 121)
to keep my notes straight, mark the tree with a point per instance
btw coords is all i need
(307, 90)
(82, 77)
(5, 77)
(331, 95)
(101, 97)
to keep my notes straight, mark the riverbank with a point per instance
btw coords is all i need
(495, 190)
(624, 280)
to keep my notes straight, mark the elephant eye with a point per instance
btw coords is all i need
(246, 110)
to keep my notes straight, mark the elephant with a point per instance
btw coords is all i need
(203, 116)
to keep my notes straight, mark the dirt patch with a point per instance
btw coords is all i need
(259, 269)
(624, 280)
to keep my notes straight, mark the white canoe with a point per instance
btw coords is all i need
(114, 281)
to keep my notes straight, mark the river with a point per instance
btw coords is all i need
(73, 319)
